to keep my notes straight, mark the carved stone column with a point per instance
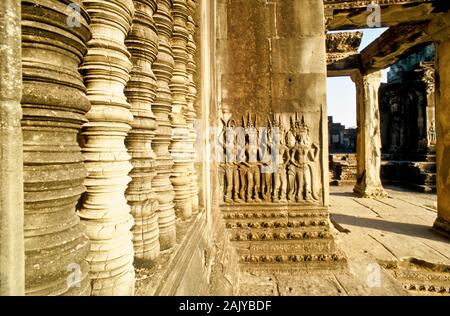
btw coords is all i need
(54, 104)
(427, 77)
(12, 259)
(369, 138)
(180, 132)
(191, 114)
(163, 69)
(142, 43)
(442, 39)
(105, 211)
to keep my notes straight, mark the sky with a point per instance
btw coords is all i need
(341, 92)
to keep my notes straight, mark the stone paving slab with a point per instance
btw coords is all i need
(372, 233)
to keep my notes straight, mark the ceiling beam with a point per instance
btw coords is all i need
(392, 45)
(350, 15)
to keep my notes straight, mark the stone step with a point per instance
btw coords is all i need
(269, 237)
(286, 265)
(276, 234)
(285, 247)
(278, 223)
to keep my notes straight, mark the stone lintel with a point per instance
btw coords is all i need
(393, 44)
(348, 15)
(342, 52)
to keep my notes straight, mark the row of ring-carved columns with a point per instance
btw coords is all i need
(105, 211)
(54, 105)
(369, 138)
(142, 43)
(180, 132)
(190, 110)
(163, 69)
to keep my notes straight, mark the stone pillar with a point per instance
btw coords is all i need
(142, 43)
(442, 223)
(427, 77)
(12, 269)
(105, 211)
(54, 104)
(191, 114)
(179, 147)
(368, 145)
(163, 69)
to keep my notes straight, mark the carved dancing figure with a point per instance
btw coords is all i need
(266, 148)
(432, 134)
(231, 166)
(281, 160)
(291, 141)
(303, 156)
(252, 163)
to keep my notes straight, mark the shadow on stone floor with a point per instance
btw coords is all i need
(343, 194)
(413, 230)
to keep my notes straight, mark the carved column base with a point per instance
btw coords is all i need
(442, 227)
(145, 231)
(369, 192)
(167, 228)
(180, 177)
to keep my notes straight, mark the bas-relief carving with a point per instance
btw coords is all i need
(269, 164)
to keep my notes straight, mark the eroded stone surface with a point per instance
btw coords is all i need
(55, 241)
(163, 69)
(142, 43)
(105, 212)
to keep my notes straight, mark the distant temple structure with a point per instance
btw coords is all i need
(407, 115)
(342, 149)
(341, 139)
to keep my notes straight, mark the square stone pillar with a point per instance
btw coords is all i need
(271, 81)
(368, 145)
(439, 31)
(12, 259)
(442, 223)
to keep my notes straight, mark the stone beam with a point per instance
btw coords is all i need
(393, 44)
(347, 15)
(343, 67)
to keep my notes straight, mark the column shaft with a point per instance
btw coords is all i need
(179, 147)
(442, 223)
(141, 91)
(12, 269)
(54, 103)
(105, 211)
(191, 114)
(369, 138)
(163, 69)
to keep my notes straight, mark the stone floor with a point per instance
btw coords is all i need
(376, 236)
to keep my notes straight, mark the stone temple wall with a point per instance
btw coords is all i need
(407, 111)
(271, 134)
